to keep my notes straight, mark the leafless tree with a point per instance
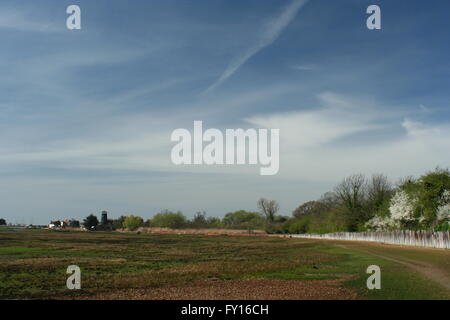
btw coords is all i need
(329, 200)
(379, 190)
(352, 193)
(268, 208)
(352, 190)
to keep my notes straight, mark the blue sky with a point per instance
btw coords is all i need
(86, 116)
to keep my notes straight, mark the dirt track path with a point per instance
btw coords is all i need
(428, 270)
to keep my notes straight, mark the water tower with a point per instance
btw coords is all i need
(104, 220)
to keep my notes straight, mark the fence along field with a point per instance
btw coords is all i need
(424, 238)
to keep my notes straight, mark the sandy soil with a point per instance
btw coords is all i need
(245, 289)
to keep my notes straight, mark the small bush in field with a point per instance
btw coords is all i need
(132, 223)
(168, 219)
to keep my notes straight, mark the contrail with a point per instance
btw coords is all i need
(270, 33)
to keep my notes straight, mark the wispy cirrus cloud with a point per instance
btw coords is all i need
(21, 20)
(305, 67)
(270, 33)
(332, 141)
(338, 117)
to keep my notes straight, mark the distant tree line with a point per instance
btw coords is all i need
(241, 219)
(177, 220)
(357, 203)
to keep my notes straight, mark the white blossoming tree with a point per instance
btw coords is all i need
(378, 223)
(402, 207)
(443, 210)
(401, 211)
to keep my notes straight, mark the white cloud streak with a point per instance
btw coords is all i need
(23, 21)
(270, 33)
(322, 144)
